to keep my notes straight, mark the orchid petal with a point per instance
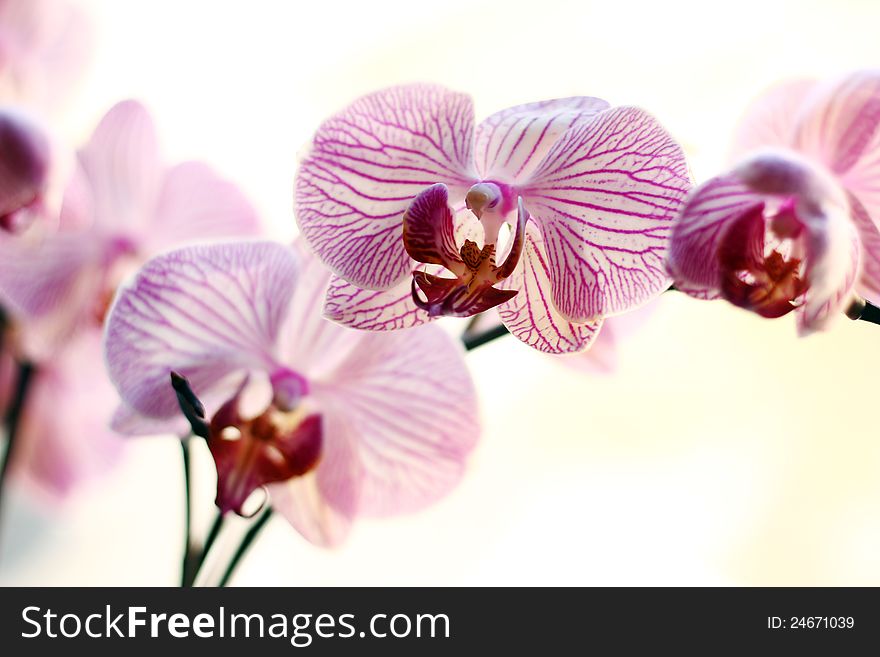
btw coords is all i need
(406, 399)
(301, 501)
(531, 315)
(771, 119)
(605, 196)
(128, 422)
(869, 236)
(50, 283)
(703, 222)
(399, 408)
(509, 144)
(367, 164)
(429, 230)
(394, 308)
(839, 125)
(122, 163)
(204, 311)
(841, 128)
(63, 437)
(196, 203)
(373, 310)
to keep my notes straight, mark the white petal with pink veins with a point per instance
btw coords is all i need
(365, 166)
(204, 311)
(509, 144)
(605, 197)
(531, 315)
(705, 217)
(407, 401)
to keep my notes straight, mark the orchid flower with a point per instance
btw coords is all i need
(44, 45)
(793, 226)
(25, 171)
(574, 201)
(122, 206)
(349, 422)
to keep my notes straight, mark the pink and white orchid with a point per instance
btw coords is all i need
(391, 190)
(351, 422)
(793, 226)
(123, 205)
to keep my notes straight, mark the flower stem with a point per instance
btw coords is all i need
(13, 420)
(245, 545)
(868, 313)
(199, 557)
(471, 342)
(190, 554)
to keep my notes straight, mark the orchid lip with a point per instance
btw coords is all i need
(429, 238)
(276, 445)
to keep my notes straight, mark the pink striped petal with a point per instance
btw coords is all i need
(401, 405)
(123, 166)
(407, 401)
(841, 128)
(196, 203)
(391, 309)
(207, 312)
(128, 422)
(704, 219)
(770, 120)
(605, 197)
(531, 315)
(510, 144)
(838, 126)
(869, 236)
(373, 310)
(301, 501)
(365, 167)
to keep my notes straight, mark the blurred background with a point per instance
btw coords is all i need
(721, 450)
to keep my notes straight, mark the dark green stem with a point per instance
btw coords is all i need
(190, 554)
(245, 545)
(471, 342)
(870, 313)
(200, 556)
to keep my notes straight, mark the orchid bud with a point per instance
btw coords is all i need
(25, 157)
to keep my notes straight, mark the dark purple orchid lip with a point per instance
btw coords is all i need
(429, 238)
(250, 453)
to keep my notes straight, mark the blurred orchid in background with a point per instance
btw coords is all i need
(44, 49)
(25, 171)
(391, 191)
(793, 226)
(340, 422)
(122, 205)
